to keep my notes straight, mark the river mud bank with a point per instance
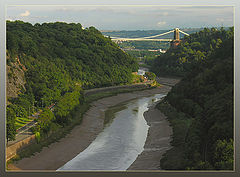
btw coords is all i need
(57, 154)
(157, 143)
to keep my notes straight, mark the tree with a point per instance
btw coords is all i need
(11, 128)
(150, 75)
(204, 94)
(44, 120)
(18, 110)
(56, 57)
(224, 154)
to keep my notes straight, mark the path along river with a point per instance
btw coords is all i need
(120, 142)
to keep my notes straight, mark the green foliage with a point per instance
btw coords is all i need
(20, 122)
(59, 50)
(44, 120)
(11, 128)
(195, 48)
(58, 57)
(174, 158)
(223, 154)
(145, 56)
(37, 136)
(206, 95)
(150, 75)
(142, 54)
(19, 111)
(65, 105)
(137, 78)
(23, 104)
(145, 45)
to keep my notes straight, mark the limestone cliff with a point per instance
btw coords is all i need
(15, 76)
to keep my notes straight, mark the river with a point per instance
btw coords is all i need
(120, 142)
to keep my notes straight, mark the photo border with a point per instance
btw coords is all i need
(3, 92)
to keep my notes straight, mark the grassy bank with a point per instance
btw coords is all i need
(76, 116)
(21, 121)
(174, 158)
(56, 134)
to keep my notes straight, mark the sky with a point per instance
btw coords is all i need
(125, 17)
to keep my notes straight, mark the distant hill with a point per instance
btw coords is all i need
(146, 45)
(145, 33)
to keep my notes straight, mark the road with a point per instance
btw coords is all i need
(23, 132)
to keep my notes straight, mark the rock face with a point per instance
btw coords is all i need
(15, 77)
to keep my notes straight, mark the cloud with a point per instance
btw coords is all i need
(162, 23)
(25, 14)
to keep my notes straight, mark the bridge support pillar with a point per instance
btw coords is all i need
(176, 34)
(175, 43)
(176, 39)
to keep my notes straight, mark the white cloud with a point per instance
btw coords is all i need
(162, 23)
(25, 14)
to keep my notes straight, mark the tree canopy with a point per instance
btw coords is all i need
(57, 58)
(205, 96)
(193, 49)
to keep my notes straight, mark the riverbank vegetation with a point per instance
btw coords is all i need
(56, 59)
(200, 107)
(49, 132)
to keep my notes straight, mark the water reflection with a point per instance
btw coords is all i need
(119, 144)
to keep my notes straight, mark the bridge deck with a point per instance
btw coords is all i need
(139, 39)
(149, 38)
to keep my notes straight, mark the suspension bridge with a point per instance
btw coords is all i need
(176, 37)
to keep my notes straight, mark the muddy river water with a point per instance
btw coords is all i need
(120, 142)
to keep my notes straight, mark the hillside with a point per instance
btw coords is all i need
(200, 107)
(196, 47)
(51, 62)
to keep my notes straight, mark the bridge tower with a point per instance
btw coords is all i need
(176, 39)
(176, 34)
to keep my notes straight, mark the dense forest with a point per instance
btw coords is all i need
(200, 107)
(58, 59)
(145, 57)
(196, 47)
